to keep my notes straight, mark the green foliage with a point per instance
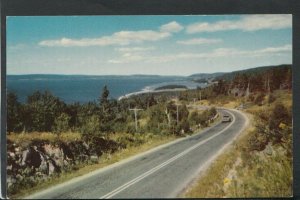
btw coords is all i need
(273, 129)
(221, 87)
(84, 111)
(273, 125)
(183, 113)
(258, 141)
(183, 96)
(91, 127)
(271, 99)
(259, 99)
(42, 109)
(61, 123)
(157, 118)
(104, 103)
(130, 140)
(212, 111)
(194, 118)
(279, 115)
(183, 127)
(14, 113)
(107, 111)
(202, 118)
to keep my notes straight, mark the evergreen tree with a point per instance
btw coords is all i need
(43, 108)
(106, 114)
(14, 122)
(61, 123)
(104, 102)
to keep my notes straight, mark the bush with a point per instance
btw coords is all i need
(279, 120)
(91, 127)
(194, 118)
(259, 99)
(183, 126)
(258, 141)
(271, 126)
(279, 115)
(212, 112)
(61, 124)
(128, 140)
(271, 98)
(251, 98)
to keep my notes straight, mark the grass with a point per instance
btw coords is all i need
(20, 138)
(241, 173)
(268, 176)
(210, 184)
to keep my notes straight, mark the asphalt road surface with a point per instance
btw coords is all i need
(160, 173)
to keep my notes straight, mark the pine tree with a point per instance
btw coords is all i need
(104, 103)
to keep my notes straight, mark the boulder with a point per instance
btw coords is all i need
(55, 153)
(51, 168)
(94, 158)
(31, 158)
(44, 167)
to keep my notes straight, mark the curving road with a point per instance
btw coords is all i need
(159, 173)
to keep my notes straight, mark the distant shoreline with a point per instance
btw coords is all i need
(158, 90)
(150, 92)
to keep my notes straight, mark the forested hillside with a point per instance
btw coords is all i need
(248, 83)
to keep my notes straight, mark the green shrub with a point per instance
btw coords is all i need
(259, 99)
(91, 127)
(271, 99)
(61, 123)
(279, 115)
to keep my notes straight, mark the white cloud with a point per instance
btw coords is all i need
(171, 27)
(246, 23)
(128, 58)
(199, 41)
(217, 53)
(282, 49)
(131, 54)
(134, 49)
(118, 38)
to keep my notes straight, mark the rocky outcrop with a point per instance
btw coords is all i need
(39, 160)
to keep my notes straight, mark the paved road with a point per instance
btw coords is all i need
(160, 173)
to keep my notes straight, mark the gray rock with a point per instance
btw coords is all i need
(9, 167)
(51, 169)
(268, 150)
(20, 177)
(44, 165)
(10, 181)
(31, 158)
(94, 158)
(24, 157)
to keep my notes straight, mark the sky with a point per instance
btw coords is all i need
(161, 45)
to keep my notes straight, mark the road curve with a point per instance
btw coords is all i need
(160, 173)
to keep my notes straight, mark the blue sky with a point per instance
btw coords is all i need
(164, 45)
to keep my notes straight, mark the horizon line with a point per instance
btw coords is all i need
(146, 74)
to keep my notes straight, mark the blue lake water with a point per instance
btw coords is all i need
(72, 88)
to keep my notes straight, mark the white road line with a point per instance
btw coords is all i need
(144, 175)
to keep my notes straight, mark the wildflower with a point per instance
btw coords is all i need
(282, 125)
(227, 180)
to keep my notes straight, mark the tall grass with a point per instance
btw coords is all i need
(210, 184)
(20, 138)
(264, 173)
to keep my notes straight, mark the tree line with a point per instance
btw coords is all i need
(44, 112)
(261, 82)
